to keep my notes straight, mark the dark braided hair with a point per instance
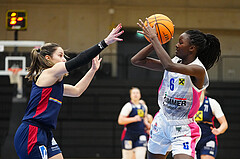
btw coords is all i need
(208, 47)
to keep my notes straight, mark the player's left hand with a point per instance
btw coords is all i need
(215, 131)
(148, 31)
(96, 63)
(114, 35)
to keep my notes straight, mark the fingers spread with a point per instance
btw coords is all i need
(116, 30)
(141, 32)
(120, 33)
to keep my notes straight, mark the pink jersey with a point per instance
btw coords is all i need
(178, 98)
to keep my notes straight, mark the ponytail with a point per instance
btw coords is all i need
(208, 47)
(211, 53)
(38, 60)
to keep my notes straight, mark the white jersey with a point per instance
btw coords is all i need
(178, 98)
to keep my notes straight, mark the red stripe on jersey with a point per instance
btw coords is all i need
(32, 137)
(214, 127)
(123, 133)
(42, 105)
(180, 98)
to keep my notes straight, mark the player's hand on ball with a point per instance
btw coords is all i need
(113, 36)
(159, 25)
(148, 31)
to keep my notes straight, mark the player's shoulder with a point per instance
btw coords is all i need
(128, 104)
(212, 100)
(145, 106)
(213, 103)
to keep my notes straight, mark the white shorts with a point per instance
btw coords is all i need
(180, 135)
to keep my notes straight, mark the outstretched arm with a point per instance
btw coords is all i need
(56, 72)
(81, 86)
(86, 56)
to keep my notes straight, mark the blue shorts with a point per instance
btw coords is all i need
(206, 146)
(33, 142)
(132, 140)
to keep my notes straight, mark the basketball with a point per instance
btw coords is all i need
(164, 27)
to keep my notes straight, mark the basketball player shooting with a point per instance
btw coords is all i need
(185, 77)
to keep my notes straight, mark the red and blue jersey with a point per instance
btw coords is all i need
(208, 143)
(137, 127)
(205, 120)
(205, 112)
(134, 134)
(44, 105)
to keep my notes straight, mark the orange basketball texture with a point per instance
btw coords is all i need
(164, 27)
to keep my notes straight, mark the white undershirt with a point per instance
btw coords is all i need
(127, 108)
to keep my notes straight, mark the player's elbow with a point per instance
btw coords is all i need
(226, 126)
(136, 62)
(169, 67)
(77, 92)
(120, 122)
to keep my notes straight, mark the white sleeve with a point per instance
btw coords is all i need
(216, 108)
(126, 110)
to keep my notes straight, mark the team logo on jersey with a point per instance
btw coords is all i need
(181, 81)
(43, 151)
(155, 127)
(178, 128)
(55, 100)
(199, 116)
(173, 103)
(54, 141)
(205, 108)
(186, 145)
(140, 113)
(210, 144)
(142, 138)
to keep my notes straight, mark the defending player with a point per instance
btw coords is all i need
(34, 138)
